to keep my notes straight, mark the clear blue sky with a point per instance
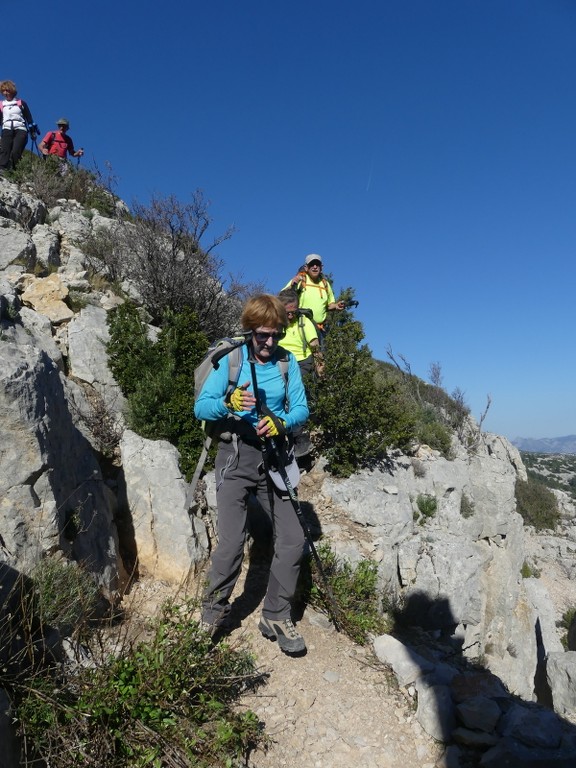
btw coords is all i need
(425, 148)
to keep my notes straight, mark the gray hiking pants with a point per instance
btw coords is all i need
(243, 474)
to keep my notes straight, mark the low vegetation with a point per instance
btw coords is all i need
(537, 505)
(568, 618)
(43, 178)
(427, 506)
(528, 571)
(170, 699)
(358, 607)
(552, 470)
(162, 695)
(466, 506)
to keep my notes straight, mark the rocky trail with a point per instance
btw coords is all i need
(334, 706)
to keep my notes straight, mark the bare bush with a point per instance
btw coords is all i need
(98, 418)
(163, 253)
(104, 252)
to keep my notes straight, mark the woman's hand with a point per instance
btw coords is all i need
(240, 399)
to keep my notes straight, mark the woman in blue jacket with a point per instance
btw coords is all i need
(239, 469)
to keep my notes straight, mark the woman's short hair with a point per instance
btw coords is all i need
(263, 310)
(8, 85)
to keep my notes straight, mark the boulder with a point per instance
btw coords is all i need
(46, 295)
(561, 675)
(52, 494)
(169, 542)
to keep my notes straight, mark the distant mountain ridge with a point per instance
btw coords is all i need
(565, 444)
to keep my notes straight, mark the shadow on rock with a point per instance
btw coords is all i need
(462, 704)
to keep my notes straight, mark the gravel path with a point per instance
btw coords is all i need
(334, 707)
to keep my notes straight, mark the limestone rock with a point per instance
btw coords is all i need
(46, 295)
(47, 245)
(168, 541)
(87, 338)
(20, 207)
(408, 665)
(561, 673)
(15, 245)
(51, 490)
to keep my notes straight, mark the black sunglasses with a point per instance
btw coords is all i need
(262, 336)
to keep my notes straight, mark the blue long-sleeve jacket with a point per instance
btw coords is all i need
(210, 404)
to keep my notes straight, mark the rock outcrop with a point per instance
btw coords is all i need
(55, 392)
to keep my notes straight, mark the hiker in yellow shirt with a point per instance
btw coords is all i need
(314, 290)
(301, 338)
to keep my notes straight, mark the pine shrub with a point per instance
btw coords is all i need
(358, 417)
(158, 378)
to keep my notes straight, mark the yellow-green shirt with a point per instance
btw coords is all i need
(298, 336)
(314, 296)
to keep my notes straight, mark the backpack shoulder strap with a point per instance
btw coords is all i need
(234, 365)
(283, 363)
(302, 333)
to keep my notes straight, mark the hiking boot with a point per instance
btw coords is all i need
(282, 630)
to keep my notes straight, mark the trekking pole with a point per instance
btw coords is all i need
(269, 444)
(36, 145)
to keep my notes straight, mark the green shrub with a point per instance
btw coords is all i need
(426, 504)
(528, 572)
(130, 350)
(77, 300)
(158, 378)
(355, 590)
(437, 414)
(537, 505)
(565, 623)
(357, 416)
(434, 434)
(66, 595)
(167, 701)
